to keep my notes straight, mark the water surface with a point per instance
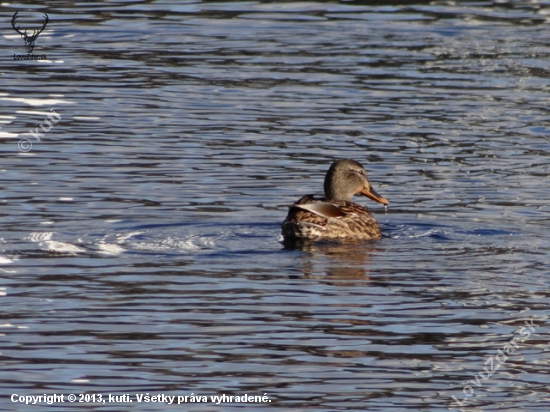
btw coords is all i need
(140, 248)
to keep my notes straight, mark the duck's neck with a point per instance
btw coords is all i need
(334, 194)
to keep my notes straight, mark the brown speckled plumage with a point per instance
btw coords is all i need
(335, 217)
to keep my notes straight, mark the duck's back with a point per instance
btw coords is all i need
(317, 219)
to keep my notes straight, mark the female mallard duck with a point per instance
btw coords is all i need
(335, 217)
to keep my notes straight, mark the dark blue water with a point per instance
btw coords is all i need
(140, 251)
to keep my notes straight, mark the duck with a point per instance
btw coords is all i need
(335, 217)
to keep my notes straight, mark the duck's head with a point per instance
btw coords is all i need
(346, 178)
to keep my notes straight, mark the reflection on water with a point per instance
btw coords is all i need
(334, 261)
(140, 249)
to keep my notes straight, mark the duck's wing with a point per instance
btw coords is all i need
(324, 209)
(316, 219)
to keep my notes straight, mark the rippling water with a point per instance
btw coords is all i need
(140, 250)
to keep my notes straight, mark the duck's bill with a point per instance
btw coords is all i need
(371, 194)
